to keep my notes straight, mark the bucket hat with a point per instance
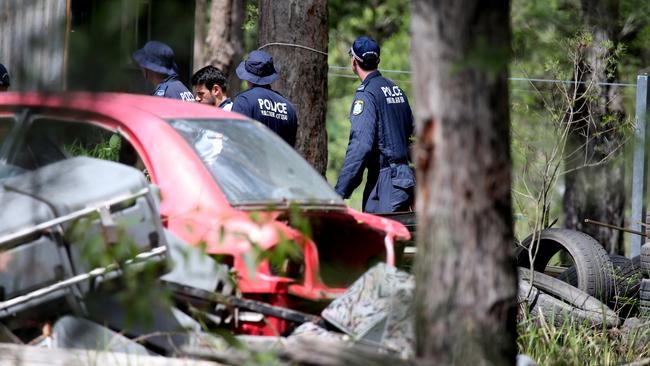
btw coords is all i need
(258, 68)
(156, 56)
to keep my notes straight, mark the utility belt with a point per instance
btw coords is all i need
(385, 163)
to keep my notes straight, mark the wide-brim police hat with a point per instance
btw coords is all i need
(157, 57)
(258, 68)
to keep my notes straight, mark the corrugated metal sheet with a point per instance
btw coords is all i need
(32, 43)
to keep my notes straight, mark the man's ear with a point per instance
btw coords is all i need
(216, 90)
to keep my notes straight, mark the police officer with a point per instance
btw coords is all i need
(382, 123)
(156, 60)
(210, 85)
(262, 103)
(4, 78)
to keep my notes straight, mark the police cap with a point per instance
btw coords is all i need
(366, 51)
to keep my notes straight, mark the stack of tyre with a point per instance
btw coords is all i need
(589, 290)
(644, 291)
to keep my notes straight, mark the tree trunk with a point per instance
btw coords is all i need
(465, 274)
(595, 189)
(222, 46)
(200, 27)
(303, 72)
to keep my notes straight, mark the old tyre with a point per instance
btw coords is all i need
(644, 290)
(627, 276)
(558, 312)
(568, 294)
(594, 269)
(645, 260)
(644, 295)
(526, 293)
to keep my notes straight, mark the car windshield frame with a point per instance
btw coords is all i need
(254, 167)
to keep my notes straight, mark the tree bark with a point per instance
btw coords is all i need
(595, 189)
(221, 46)
(303, 72)
(200, 27)
(465, 273)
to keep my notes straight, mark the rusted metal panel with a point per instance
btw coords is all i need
(32, 46)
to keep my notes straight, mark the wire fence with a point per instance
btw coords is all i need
(514, 78)
(409, 72)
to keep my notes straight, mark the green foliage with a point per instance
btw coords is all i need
(486, 57)
(548, 43)
(250, 26)
(106, 150)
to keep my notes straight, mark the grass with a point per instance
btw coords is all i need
(575, 343)
(582, 344)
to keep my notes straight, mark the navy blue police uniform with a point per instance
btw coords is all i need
(173, 88)
(381, 126)
(4, 76)
(262, 103)
(159, 58)
(267, 106)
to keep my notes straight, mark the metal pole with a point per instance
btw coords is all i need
(638, 169)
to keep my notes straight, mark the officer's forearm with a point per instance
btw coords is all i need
(348, 181)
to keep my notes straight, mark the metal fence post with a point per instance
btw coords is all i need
(639, 163)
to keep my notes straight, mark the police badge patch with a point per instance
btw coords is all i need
(160, 91)
(358, 107)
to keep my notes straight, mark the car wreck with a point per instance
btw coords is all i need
(227, 185)
(48, 275)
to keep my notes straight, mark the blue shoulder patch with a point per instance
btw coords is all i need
(357, 107)
(160, 92)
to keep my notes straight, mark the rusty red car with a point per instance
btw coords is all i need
(226, 182)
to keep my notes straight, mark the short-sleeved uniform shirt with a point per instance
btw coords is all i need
(173, 88)
(269, 107)
(381, 126)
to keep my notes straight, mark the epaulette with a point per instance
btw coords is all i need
(361, 87)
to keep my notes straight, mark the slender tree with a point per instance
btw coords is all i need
(594, 184)
(465, 274)
(295, 32)
(219, 43)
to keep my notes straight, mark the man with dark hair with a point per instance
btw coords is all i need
(4, 78)
(382, 124)
(156, 60)
(262, 103)
(210, 86)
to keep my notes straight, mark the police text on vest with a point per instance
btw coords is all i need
(393, 95)
(273, 109)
